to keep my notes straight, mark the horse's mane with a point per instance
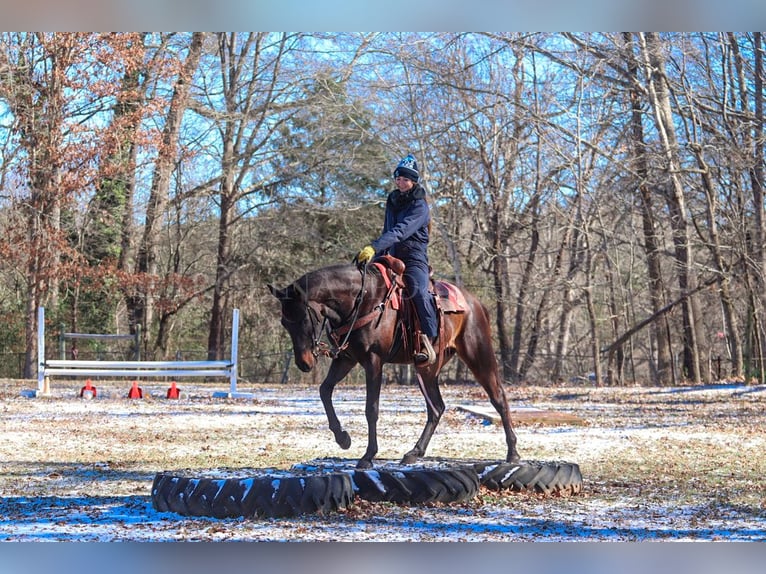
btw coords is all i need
(320, 277)
(330, 271)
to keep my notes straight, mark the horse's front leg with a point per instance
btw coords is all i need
(339, 368)
(429, 386)
(374, 379)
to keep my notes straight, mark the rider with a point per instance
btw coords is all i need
(405, 236)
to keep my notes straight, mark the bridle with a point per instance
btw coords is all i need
(317, 345)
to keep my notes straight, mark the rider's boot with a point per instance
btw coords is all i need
(426, 355)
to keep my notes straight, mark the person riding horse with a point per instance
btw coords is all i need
(364, 330)
(405, 236)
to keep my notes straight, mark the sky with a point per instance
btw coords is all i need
(392, 15)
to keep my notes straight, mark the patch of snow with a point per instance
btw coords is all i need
(88, 507)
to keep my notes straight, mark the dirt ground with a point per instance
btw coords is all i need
(682, 463)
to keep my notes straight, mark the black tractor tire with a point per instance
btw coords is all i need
(257, 494)
(560, 478)
(391, 481)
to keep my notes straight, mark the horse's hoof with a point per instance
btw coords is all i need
(343, 439)
(410, 458)
(513, 458)
(364, 463)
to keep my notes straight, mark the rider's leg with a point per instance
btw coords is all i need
(416, 278)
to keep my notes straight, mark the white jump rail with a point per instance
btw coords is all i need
(78, 368)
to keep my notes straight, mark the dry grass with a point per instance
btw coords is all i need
(657, 463)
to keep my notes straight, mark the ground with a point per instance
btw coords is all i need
(681, 463)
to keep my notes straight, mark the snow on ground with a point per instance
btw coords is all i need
(657, 464)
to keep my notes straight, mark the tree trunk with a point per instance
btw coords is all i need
(141, 308)
(500, 279)
(731, 333)
(567, 297)
(536, 330)
(591, 308)
(615, 366)
(216, 343)
(756, 179)
(521, 302)
(659, 330)
(659, 97)
(39, 109)
(529, 268)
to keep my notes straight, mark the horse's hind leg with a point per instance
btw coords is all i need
(475, 349)
(339, 368)
(429, 386)
(497, 397)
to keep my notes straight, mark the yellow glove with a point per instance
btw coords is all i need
(365, 254)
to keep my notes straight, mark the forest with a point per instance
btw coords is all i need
(602, 193)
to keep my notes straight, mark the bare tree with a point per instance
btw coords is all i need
(640, 152)
(658, 90)
(140, 307)
(287, 132)
(589, 187)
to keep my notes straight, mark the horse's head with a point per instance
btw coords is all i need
(301, 322)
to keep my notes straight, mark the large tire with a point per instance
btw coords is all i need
(260, 493)
(404, 484)
(561, 478)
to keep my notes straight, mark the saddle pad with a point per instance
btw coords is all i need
(449, 298)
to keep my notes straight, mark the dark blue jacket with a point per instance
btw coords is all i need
(405, 228)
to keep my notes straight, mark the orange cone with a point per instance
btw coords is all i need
(88, 391)
(135, 392)
(173, 391)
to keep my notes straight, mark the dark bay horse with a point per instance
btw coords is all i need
(355, 308)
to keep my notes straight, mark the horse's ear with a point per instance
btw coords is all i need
(278, 293)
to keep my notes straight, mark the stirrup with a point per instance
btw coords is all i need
(426, 353)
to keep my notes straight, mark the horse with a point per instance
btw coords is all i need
(357, 309)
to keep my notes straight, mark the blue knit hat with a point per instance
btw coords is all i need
(408, 168)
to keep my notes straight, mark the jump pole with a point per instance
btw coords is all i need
(137, 368)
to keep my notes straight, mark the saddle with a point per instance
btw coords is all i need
(448, 298)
